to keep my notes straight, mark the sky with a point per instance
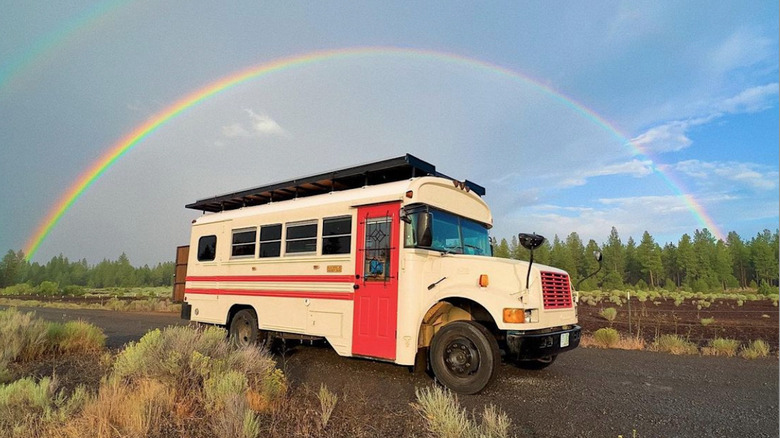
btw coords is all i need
(575, 116)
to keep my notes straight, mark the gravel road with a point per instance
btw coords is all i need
(587, 392)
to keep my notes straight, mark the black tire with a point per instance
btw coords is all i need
(536, 364)
(243, 329)
(464, 356)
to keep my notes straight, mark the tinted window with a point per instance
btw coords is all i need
(301, 238)
(207, 248)
(336, 235)
(244, 242)
(270, 240)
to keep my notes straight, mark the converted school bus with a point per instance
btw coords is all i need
(388, 261)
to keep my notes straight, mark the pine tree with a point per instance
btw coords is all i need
(649, 257)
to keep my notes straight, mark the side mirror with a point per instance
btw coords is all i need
(530, 241)
(404, 216)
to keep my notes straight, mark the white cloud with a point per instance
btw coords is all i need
(635, 168)
(751, 100)
(259, 125)
(264, 125)
(235, 130)
(748, 175)
(740, 50)
(673, 136)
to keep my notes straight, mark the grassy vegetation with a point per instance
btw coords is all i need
(619, 297)
(446, 419)
(140, 305)
(610, 313)
(755, 350)
(175, 382)
(26, 338)
(674, 344)
(721, 347)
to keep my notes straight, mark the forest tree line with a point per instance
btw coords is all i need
(15, 269)
(700, 263)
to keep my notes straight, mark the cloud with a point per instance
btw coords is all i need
(259, 125)
(673, 136)
(235, 130)
(751, 100)
(739, 50)
(635, 168)
(264, 125)
(748, 175)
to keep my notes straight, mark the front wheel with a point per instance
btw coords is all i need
(243, 329)
(464, 356)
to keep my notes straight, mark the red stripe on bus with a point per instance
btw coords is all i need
(279, 278)
(273, 293)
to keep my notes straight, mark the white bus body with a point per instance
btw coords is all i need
(362, 268)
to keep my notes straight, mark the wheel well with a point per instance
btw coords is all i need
(453, 309)
(235, 309)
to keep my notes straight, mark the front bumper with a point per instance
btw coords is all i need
(535, 345)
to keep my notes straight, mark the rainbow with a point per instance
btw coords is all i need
(128, 142)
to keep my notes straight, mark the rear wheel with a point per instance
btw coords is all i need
(464, 356)
(243, 329)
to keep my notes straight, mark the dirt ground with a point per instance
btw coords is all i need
(751, 321)
(587, 392)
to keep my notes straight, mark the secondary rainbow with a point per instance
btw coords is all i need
(120, 148)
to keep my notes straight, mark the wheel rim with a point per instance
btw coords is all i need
(461, 357)
(243, 331)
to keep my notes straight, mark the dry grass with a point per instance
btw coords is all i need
(446, 419)
(27, 338)
(755, 350)
(721, 347)
(622, 342)
(674, 344)
(328, 402)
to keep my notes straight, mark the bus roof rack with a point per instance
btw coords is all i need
(379, 172)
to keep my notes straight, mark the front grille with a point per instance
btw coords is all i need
(556, 290)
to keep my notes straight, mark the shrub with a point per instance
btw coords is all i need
(81, 337)
(19, 289)
(27, 338)
(28, 407)
(707, 321)
(328, 402)
(674, 344)
(755, 350)
(48, 288)
(74, 290)
(446, 419)
(610, 313)
(606, 337)
(721, 347)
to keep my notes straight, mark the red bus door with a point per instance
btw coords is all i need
(376, 296)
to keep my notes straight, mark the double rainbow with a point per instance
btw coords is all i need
(128, 142)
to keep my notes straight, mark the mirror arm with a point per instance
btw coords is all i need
(577, 287)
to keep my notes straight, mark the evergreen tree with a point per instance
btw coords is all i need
(763, 254)
(686, 261)
(502, 250)
(614, 262)
(649, 257)
(740, 258)
(633, 269)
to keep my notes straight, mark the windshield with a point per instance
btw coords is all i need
(442, 231)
